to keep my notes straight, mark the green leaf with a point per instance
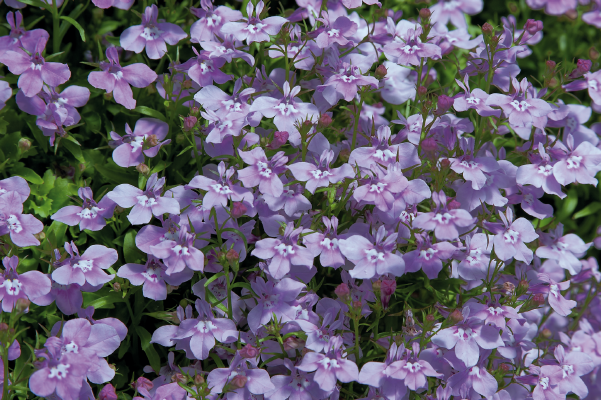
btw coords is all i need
(184, 150)
(28, 174)
(130, 250)
(82, 33)
(588, 210)
(75, 150)
(36, 3)
(45, 188)
(150, 112)
(106, 301)
(153, 357)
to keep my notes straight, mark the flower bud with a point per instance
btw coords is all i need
(533, 26)
(171, 288)
(238, 209)
(194, 110)
(357, 305)
(3, 327)
(108, 96)
(279, 139)
(522, 286)
(422, 91)
(179, 377)
(593, 53)
(381, 72)
(143, 169)
(428, 104)
(293, 343)
(239, 381)
(429, 145)
(117, 287)
(187, 84)
(487, 29)
(107, 393)
(142, 383)
(546, 333)
(455, 316)
(539, 299)
(444, 104)
(189, 123)
(344, 154)
(425, 13)
(388, 287)
(582, 67)
(22, 305)
(199, 379)
(249, 351)
(512, 7)
(509, 288)
(232, 256)
(24, 144)
(504, 367)
(40, 236)
(376, 286)
(430, 318)
(324, 121)
(551, 65)
(342, 291)
(454, 205)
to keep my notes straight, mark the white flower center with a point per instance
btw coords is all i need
(413, 367)
(465, 334)
(378, 188)
(348, 78)
(286, 109)
(511, 236)
(118, 75)
(137, 143)
(334, 33)
(84, 265)
(544, 382)
(472, 100)
(254, 28)
(284, 250)
(14, 224)
(151, 274)
(205, 326)
(545, 170)
(319, 174)
(410, 49)
(554, 290)
(151, 33)
(329, 363)
(443, 218)
(219, 188)
(144, 201)
(330, 243)
(373, 256)
(428, 254)
(567, 370)
(60, 371)
(263, 170)
(520, 105)
(12, 287)
(574, 162)
(89, 213)
(213, 20)
(384, 155)
(71, 348)
(469, 164)
(592, 84)
(180, 250)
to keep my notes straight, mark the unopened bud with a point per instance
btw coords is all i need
(143, 383)
(539, 299)
(22, 305)
(422, 91)
(324, 121)
(487, 29)
(194, 110)
(388, 287)
(523, 285)
(546, 333)
(582, 67)
(444, 103)
(512, 7)
(344, 155)
(376, 286)
(533, 26)
(445, 163)
(171, 288)
(429, 145)
(199, 379)
(293, 343)
(571, 14)
(178, 377)
(108, 96)
(3, 327)
(430, 318)
(425, 13)
(381, 72)
(249, 351)
(107, 393)
(117, 287)
(239, 381)
(143, 169)
(455, 316)
(152, 140)
(551, 64)
(454, 205)
(593, 53)
(357, 305)
(24, 144)
(189, 123)
(232, 256)
(279, 139)
(40, 236)
(504, 367)
(342, 291)
(428, 104)
(238, 209)
(187, 84)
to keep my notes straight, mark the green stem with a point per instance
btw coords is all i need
(356, 323)
(56, 39)
(5, 362)
(356, 127)
(230, 310)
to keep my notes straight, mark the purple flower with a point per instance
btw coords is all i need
(371, 258)
(254, 381)
(203, 69)
(467, 338)
(579, 164)
(540, 173)
(13, 286)
(527, 197)
(283, 252)
(21, 227)
(90, 215)
(337, 31)
(116, 79)
(85, 268)
(292, 200)
(297, 385)
(151, 34)
(511, 237)
(399, 84)
(221, 191)
(121, 4)
(428, 257)
(15, 184)
(442, 221)
(145, 203)
(381, 375)
(383, 153)
(473, 99)
(574, 365)
(331, 366)
(273, 299)
(321, 175)
(473, 168)
(34, 71)
(218, 287)
(476, 378)
(414, 372)
(18, 36)
(254, 29)
(546, 379)
(406, 47)
(564, 249)
(145, 140)
(380, 189)
(523, 112)
(558, 303)
(477, 257)
(325, 245)
(453, 11)
(210, 21)
(345, 84)
(153, 276)
(553, 7)
(286, 111)
(179, 253)
(197, 336)
(263, 172)
(214, 99)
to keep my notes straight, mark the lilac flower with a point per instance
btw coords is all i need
(145, 203)
(442, 221)
(453, 11)
(414, 372)
(182, 88)
(546, 380)
(153, 276)
(21, 227)
(325, 245)
(553, 7)
(85, 268)
(471, 167)
(34, 71)
(292, 200)
(273, 299)
(523, 112)
(286, 111)
(116, 79)
(320, 175)
(13, 286)
(406, 47)
(371, 258)
(331, 366)
(254, 29)
(179, 253)
(428, 257)
(467, 338)
(540, 173)
(263, 172)
(218, 288)
(476, 378)
(219, 191)
(527, 197)
(350, 4)
(399, 84)
(223, 125)
(380, 189)
(557, 301)
(477, 257)
(214, 99)
(121, 4)
(298, 385)
(381, 375)
(90, 215)
(511, 237)
(18, 36)
(383, 153)
(473, 99)
(210, 21)
(145, 140)
(283, 252)
(203, 69)
(579, 164)
(151, 34)
(564, 249)
(17, 185)
(255, 380)
(574, 365)
(345, 84)
(336, 31)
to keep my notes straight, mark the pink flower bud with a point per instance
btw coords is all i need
(342, 291)
(533, 26)
(107, 393)
(456, 316)
(429, 145)
(249, 351)
(142, 382)
(381, 72)
(422, 91)
(425, 13)
(232, 256)
(454, 205)
(239, 381)
(388, 287)
(487, 29)
(293, 343)
(279, 139)
(551, 64)
(539, 299)
(444, 103)
(324, 121)
(238, 209)
(189, 123)
(143, 169)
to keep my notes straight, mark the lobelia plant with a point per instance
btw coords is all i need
(335, 199)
